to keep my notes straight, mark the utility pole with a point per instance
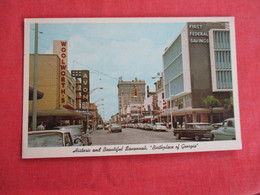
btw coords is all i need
(35, 80)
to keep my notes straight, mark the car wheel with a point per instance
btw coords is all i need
(197, 138)
(178, 136)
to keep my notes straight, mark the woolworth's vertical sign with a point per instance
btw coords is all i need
(60, 48)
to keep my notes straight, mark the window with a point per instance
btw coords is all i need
(221, 60)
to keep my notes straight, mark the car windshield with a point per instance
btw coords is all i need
(115, 125)
(206, 126)
(45, 140)
(74, 130)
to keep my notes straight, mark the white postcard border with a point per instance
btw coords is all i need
(130, 149)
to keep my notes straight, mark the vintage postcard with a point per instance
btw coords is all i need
(129, 86)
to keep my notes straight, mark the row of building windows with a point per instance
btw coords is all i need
(224, 79)
(221, 40)
(71, 101)
(172, 53)
(71, 86)
(223, 59)
(174, 69)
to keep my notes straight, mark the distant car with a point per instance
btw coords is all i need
(77, 134)
(159, 127)
(226, 131)
(148, 126)
(106, 127)
(197, 131)
(141, 125)
(100, 127)
(115, 127)
(49, 138)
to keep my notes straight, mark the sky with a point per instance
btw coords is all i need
(110, 51)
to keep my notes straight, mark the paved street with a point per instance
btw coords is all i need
(133, 136)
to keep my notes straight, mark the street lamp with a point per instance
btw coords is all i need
(171, 111)
(98, 101)
(88, 106)
(98, 112)
(158, 88)
(95, 89)
(99, 105)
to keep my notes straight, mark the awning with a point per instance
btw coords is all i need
(190, 110)
(145, 119)
(63, 113)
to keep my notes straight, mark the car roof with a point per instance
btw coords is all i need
(229, 119)
(68, 126)
(198, 124)
(47, 131)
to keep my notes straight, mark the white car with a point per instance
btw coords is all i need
(115, 127)
(159, 127)
(100, 127)
(226, 131)
(77, 134)
(148, 126)
(49, 138)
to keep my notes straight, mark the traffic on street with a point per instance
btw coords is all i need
(134, 136)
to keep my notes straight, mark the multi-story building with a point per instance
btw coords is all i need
(197, 64)
(130, 92)
(161, 103)
(50, 108)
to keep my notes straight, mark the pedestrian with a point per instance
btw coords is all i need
(41, 127)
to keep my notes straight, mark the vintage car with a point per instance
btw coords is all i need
(107, 127)
(100, 127)
(148, 126)
(49, 138)
(159, 127)
(196, 131)
(226, 131)
(77, 134)
(115, 127)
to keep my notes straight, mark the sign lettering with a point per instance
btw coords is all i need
(60, 48)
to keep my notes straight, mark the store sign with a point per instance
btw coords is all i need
(165, 105)
(60, 48)
(197, 34)
(85, 86)
(84, 76)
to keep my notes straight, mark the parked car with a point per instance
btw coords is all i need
(226, 131)
(197, 131)
(159, 127)
(77, 134)
(107, 127)
(217, 125)
(115, 127)
(148, 126)
(100, 127)
(141, 125)
(49, 138)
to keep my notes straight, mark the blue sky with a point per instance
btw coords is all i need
(109, 51)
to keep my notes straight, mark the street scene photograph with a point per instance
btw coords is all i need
(118, 86)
